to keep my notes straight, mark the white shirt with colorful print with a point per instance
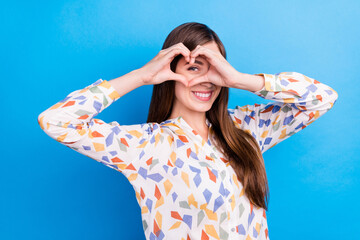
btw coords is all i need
(185, 187)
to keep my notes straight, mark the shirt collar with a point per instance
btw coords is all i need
(180, 120)
(181, 123)
(181, 127)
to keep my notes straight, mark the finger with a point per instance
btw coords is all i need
(179, 77)
(200, 51)
(174, 52)
(182, 46)
(198, 80)
(177, 47)
(187, 57)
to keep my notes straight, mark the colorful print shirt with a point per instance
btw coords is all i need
(185, 187)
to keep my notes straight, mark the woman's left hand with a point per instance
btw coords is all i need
(220, 72)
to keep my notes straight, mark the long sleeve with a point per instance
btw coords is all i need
(299, 101)
(71, 122)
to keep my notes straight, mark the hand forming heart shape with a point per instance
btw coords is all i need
(220, 72)
(158, 70)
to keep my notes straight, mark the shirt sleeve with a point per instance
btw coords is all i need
(299, 101)
(71, 122)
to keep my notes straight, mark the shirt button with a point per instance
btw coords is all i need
(233, 229)
(230, 200)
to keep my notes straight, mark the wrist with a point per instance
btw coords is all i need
(249, 82)
(139, 76)
(240, 81)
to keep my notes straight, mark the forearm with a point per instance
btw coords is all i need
(250, 82)
(69, 119)
(299, 91)
(127, 82)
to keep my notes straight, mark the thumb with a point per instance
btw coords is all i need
(198, 80)
(179, 77)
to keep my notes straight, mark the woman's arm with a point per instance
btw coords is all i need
(250, 82)
(71, 122)
(127, 82)
(299, 101)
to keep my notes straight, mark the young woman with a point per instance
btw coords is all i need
(196, 166)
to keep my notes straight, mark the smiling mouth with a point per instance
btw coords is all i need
(203, 96)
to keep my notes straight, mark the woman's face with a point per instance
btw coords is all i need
(199, 97)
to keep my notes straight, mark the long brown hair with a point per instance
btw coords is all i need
(239, 146)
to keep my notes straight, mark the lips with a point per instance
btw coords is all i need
(203, 96)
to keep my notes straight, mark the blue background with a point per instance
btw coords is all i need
(51, 48)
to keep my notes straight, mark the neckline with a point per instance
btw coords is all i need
(181, 121)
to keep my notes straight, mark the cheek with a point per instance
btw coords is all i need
(217, 93)
(180, 91)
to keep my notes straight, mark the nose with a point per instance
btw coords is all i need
(206, 84)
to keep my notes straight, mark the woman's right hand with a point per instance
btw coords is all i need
(158, 69)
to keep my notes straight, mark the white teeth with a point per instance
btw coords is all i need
(203, 95)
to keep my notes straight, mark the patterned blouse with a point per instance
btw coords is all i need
(185, 187)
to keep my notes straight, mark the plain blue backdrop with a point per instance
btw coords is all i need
(51, 48)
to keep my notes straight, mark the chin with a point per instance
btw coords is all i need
(203, 109)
